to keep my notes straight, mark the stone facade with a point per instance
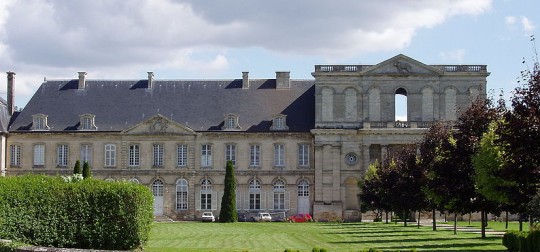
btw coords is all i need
(283, 164)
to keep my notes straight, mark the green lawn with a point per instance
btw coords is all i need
(196, 236)
(495, 225)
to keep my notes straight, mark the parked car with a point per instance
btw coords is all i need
(208, 216)
(263, 217)
(303, 217)
(242, 217)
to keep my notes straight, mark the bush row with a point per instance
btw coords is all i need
(518, 241)
(47, 211)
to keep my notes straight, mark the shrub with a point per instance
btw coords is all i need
(514, 241)
(86, 172)
(46, 211)
(77, 167)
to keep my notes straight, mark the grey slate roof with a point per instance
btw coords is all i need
(198, 104)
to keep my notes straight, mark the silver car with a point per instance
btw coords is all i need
(208, 216)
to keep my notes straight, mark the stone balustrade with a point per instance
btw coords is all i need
(359, 68)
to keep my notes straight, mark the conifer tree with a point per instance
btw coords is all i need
(77, 168)
(86, 172)
(228, 202)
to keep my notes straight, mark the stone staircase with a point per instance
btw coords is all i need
(162, 218)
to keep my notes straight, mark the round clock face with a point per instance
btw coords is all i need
(351, 158)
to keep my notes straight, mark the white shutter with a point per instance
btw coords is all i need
(215, 200)
(197, 199)
(246, 200)
(271, 201)
(263, 200)
(287, 200)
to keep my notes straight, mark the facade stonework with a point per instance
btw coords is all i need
(298, 146)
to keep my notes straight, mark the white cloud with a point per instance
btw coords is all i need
(118, 38)
(527, 25)
(510, 20)
(453, 56)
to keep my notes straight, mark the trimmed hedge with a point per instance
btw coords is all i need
(517, 241)
(96, 214)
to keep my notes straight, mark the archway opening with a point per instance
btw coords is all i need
(400, 101)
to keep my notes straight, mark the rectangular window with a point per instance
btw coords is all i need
(230, 153)
(86, 123)
(206, 201)
(303, 155)
(86, 154)
(255, 155)
(206, 155)
(39, 155)
(40, 123)
(62, 155)
(279, 200)
(254, 201)
(181, 200)
(134, 155)
(15, 155)
(182, 155)
(279, 155)
(110, 155)
(158, 155)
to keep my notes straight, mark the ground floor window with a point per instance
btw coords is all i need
(255, 201)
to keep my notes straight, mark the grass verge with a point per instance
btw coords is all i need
(196, 236)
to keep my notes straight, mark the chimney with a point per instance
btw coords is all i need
(245, 80)
(150, 80)
(10, 95)
(82, 80)
(283, 80)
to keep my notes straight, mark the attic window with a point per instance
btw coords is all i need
(279, 122)
(39, 122)
(87, 122)
(231, 122)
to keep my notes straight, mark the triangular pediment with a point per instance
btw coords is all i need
(401, 65)
(159, 124)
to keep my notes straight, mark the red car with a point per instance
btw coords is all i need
(305, 217)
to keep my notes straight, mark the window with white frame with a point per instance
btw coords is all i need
(134, 158)
(158, 155)
(230, 122)
(110, 155)
(39, 155)
(303, 188)
(206, 155)
(86, 153)
(206, 194)
(87, 122)
(181, 155)
(279, 194)
(254, 194)
(255, 155)
(15, 155)
(279, 122)
(157, 188)
(181, 194)
(279, 155)
(62, 155)
(303, 155)
(39, 122)
(134, 180)
(230, 153)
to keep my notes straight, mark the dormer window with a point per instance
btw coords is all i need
(87, 122)
(231, 122)
(39, 122)
(279, 122)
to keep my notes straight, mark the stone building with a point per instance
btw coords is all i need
(299, 146)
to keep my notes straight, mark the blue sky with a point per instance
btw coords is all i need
(198, 39)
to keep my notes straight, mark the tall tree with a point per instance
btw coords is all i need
(372, 193)
(434, 160)
(520, 137)
(228, 202)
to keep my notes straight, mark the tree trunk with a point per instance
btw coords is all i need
(405, 213)
(386, 212)
(455, 223)
(469, 218)
(520, 224)
(434, 221)
(418, 219)
(506, 225)
(483, 225)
